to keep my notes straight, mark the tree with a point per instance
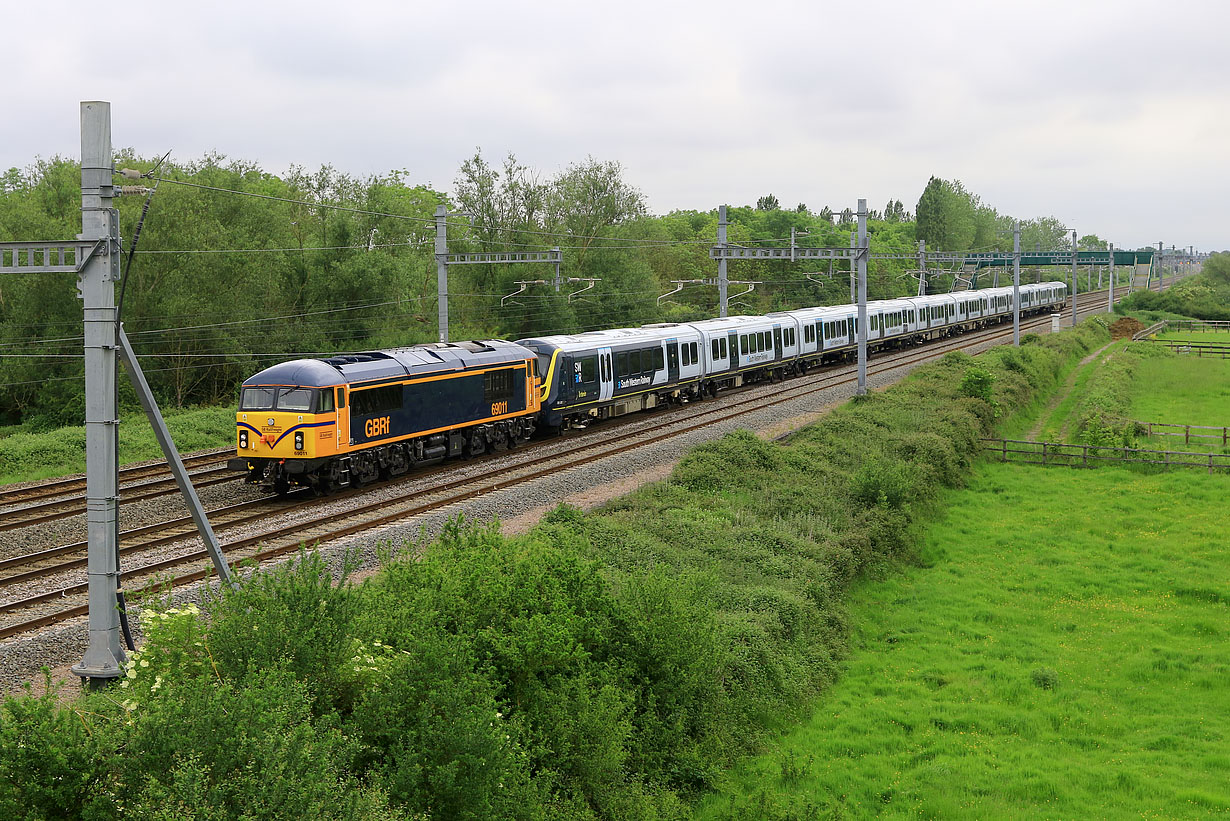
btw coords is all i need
(826, 214)
(767, 203)
(1091, 242)
(591, 197)
(946, 216)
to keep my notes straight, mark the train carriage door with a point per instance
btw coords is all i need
(606, 375)
(672, 361)
(778, 350)
(343, 420)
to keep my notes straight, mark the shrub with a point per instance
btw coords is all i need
(1044, 678)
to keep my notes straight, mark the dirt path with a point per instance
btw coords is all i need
(1058, 398)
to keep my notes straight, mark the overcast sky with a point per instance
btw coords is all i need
(1110, 116)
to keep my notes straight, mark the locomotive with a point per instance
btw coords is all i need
(351, 419)
(347, 420)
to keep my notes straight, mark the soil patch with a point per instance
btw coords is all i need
(1126, 328)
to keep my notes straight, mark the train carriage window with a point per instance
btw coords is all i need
(717, 350)
(498, 385)
(589, 368)
(724, 351)
(621, 364)
(695, 349)
(295, 399)
(324, 403)
(743, 344)
(256, 399)
(371, 401)
(634, 362)
(659, 359)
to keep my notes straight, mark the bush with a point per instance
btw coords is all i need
(606, 665)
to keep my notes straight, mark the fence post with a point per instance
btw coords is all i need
(1044, 453)
(1085, 456)
(1004, 443)
(1210, 464)
(1223, 437)
(1187, 434)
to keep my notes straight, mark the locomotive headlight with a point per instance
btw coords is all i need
(243, 440)
(299, 440)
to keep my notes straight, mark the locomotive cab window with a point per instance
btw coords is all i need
(256, 399)
(498, 385)
(325, 402)
(341, 398)
(295, 399)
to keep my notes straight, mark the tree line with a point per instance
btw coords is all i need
(223, 284)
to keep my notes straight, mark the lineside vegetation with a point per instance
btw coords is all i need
(608, 665)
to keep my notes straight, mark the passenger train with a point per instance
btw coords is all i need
(350, 419)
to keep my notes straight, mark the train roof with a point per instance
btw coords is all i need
(368, 366)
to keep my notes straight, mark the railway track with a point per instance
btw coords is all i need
(62, 498)
(415, 499)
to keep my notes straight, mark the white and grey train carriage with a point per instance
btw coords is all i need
(609, 373)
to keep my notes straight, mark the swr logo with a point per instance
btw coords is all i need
(376, 427)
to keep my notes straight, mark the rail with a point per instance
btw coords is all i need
(1058, 453)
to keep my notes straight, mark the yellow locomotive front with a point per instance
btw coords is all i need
(295, 427)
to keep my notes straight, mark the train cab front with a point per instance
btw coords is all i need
(286, 427)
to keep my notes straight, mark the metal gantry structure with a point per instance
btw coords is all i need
(95, 257)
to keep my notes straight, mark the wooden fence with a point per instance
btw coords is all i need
(1166, 429)
(1219, 350)
(1057, 453)
(1203, 326)
(1201, 349)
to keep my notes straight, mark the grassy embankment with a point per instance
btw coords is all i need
(1055, 659)
(1131, 383)
(609, 665)
(26, 456)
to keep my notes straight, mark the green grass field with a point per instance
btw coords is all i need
(26, 457)
(1182, 390)
(1062, 653)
